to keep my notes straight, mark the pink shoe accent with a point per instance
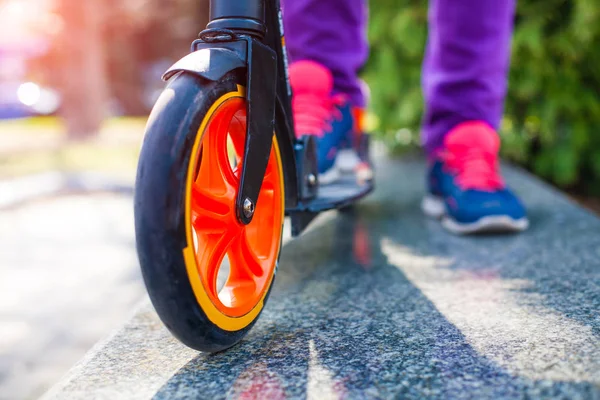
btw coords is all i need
(471, 152)
(312, 104)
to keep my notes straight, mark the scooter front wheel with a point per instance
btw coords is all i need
(207, 274)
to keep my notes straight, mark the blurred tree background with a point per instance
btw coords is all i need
(106, 56)
(553, 105)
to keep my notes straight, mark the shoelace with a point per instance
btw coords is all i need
(313, 115)
(475, 169)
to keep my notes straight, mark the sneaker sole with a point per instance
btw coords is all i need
(330, 176)
(347, 160)
(345, 164)
(434, 207)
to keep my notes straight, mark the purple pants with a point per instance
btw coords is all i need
(466, 60)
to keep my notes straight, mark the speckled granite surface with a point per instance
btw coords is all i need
(382, 303)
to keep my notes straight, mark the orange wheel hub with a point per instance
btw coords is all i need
(250, 251)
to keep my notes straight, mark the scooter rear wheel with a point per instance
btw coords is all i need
(207, 274)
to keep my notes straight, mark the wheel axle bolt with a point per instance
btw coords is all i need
(248, 208)
(312, 179)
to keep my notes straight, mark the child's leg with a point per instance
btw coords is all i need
(466, 64)
(464, 81)
(332, 33)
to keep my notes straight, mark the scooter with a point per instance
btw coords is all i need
(220, 167)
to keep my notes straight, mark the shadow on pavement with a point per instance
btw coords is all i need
(383, 303)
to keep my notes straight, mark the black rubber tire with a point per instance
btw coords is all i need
(160, 209)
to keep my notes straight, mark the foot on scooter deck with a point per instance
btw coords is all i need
(339, 195)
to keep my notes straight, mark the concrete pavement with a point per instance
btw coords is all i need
(383, 303)
(68, 276)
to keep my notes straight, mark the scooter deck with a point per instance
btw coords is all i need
(340, 194)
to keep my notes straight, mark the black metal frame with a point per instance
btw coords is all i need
(248, 35)
(253, 30)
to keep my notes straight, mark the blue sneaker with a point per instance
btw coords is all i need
(465, 188)
(329, 118)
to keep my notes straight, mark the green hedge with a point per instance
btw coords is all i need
(552, 118)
